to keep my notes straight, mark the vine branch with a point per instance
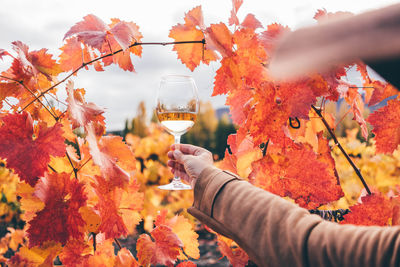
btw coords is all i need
(203, 41)
(318, 111)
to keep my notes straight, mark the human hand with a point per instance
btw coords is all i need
(188, 161)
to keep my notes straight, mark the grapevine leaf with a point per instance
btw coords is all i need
(184, 230)
(118, 208)
(91, 31)
(123, 59)
(381, 91)
(35, 62)
(106, 158)
(191, 54)
(75, 252)
(29, 157)
(80, 112)
(94, 32)
(125, 259)
(385, 122)
(219, 38)
(73, 55)
(60, 217)
(375, 209)
(164, 250)
(233, 19)
(36, 256)
(251, 22)
(298, 174)
(236, 255)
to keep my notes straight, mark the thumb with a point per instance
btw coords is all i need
(179, 156)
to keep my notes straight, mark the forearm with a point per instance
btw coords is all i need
(270, 229)
(275, 232)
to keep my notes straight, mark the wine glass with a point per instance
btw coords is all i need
(177, 108)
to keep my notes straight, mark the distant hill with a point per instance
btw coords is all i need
(219, 112)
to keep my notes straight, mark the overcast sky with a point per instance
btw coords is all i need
(43, 23)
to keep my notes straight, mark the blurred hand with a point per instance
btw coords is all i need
(188, 161)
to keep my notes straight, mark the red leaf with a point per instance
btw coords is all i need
(236, 255)
(73, 55)
(35, 62)
(3, 53)
(386, 121)
(80, 113)
(375, 209)
(381, 91)
(164, 250)
(251, 22)
(233, 19)
(298, 174)
(94, 32)
(27, 156)
(91, 31)
(60, 217)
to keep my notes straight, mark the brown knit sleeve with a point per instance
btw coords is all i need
(275, 232)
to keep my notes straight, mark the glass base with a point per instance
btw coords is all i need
(176, 184)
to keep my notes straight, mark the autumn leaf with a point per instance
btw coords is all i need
(298, 174)
(385, 122)
(80, 112)
(374, 209)
(233, 19)
(123, 59)
(125, 259)
(26, 155)
(106, 157)
(191, 54)
(251, 22)
(94, 32)
(35, 62)
(184, 230)
(163, 250)
(236, 255)
(118, 208)
(75, 252)
(219, 38)
(35, 256)
(381, 91)
(60, 217)
(73, 56)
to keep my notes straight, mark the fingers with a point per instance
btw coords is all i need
(189, 149)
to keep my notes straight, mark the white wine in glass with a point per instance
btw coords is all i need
(177, 108)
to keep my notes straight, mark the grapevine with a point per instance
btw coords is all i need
(88, 190)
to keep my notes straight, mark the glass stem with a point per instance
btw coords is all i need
(177, 141)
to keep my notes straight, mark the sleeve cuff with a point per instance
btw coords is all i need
(208, 185)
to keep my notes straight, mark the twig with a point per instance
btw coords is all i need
(94, 241)
(30, 91)
(118, 244)
(72, 165)
(318, 111)
(51, 168)
(108, 55)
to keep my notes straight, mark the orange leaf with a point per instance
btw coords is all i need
(191, 54)
(164, 250)
(298, 174)
(219, 38)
